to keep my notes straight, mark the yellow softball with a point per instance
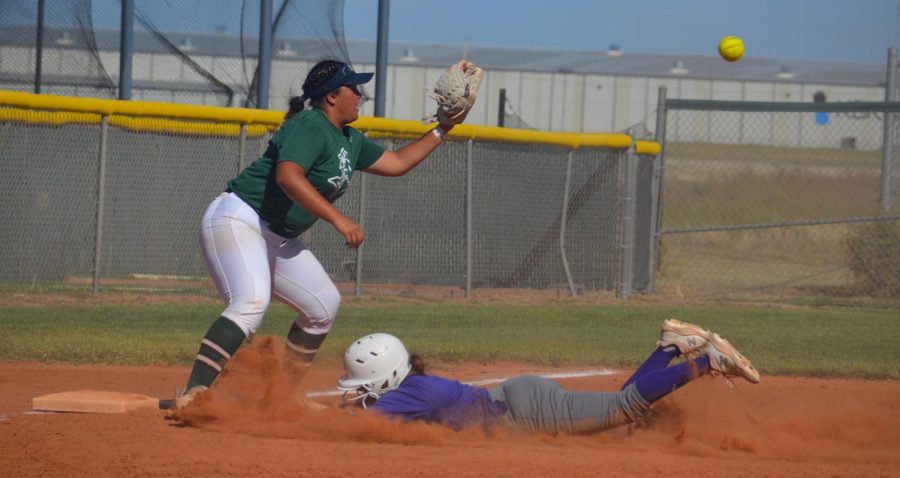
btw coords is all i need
(731, 48)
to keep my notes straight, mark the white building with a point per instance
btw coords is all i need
(556, 90)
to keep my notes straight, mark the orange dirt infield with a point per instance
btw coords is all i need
(782, 427)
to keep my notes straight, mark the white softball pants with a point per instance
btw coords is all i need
(249, 263)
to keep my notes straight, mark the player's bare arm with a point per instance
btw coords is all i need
(455, 94)
(401, 161)
(292, 180)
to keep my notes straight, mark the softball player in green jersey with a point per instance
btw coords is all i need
(249, 233)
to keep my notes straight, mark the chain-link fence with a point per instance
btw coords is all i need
(779, 198)
(115, 201)
(151, 189)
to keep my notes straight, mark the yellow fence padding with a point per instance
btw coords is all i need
(187, 127)
(140, 108)
(53, 118)
(647, 148)
(219, 121)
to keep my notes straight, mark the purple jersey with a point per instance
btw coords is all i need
(436, 399)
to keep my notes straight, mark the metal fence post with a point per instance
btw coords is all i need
(101, 199)
(887, 148)
(627, 272)
(562, 224)
(361, 220)
(656, 188)
(469, 162)
(242, 148)
(357, 291)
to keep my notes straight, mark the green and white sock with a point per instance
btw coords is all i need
(300, 349)
(222, 340)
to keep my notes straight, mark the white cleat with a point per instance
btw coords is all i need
(727, 361)
(688, 338)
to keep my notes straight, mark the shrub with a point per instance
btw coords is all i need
(874, 257)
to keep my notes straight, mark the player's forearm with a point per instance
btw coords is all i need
(414, 153)
(302, 192)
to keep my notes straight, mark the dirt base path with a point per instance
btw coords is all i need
(782, 427)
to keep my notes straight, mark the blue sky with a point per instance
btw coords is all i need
(855, 30)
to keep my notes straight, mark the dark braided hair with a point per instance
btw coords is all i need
(418, 364)
(318, 75)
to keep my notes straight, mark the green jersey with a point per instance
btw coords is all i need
(327, 154)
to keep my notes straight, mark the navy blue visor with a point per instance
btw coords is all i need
(344, 76)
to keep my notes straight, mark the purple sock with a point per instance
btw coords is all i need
(659, 383)
(660, 358)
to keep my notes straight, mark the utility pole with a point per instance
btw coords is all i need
(39, 46)
(381, 51)
(265, 54)
(126, 49)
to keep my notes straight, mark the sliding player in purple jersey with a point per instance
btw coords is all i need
(381, 375)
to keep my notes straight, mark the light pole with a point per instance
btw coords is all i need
(381, 51)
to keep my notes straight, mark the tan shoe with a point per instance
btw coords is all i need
(726, 360)
(313, 405)
(187, 396)
(689, 338)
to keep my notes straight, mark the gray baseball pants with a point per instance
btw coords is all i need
(537, 403)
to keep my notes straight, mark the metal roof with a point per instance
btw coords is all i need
(598, 62)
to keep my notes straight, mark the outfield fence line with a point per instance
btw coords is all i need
(771, 225)
(777, 197)
(114, 190)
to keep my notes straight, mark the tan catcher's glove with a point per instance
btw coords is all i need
(455, 92)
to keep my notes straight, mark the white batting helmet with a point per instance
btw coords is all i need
(374, 364)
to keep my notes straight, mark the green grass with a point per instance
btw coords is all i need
(812, 259)
(713, 184)
(720, 184)
(703, 194)
(815, 341)
(835, 157)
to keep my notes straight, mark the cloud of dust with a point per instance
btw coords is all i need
(709, 418)
(253, 396)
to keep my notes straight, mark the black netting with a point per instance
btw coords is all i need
(190, 51)
(71, 60)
